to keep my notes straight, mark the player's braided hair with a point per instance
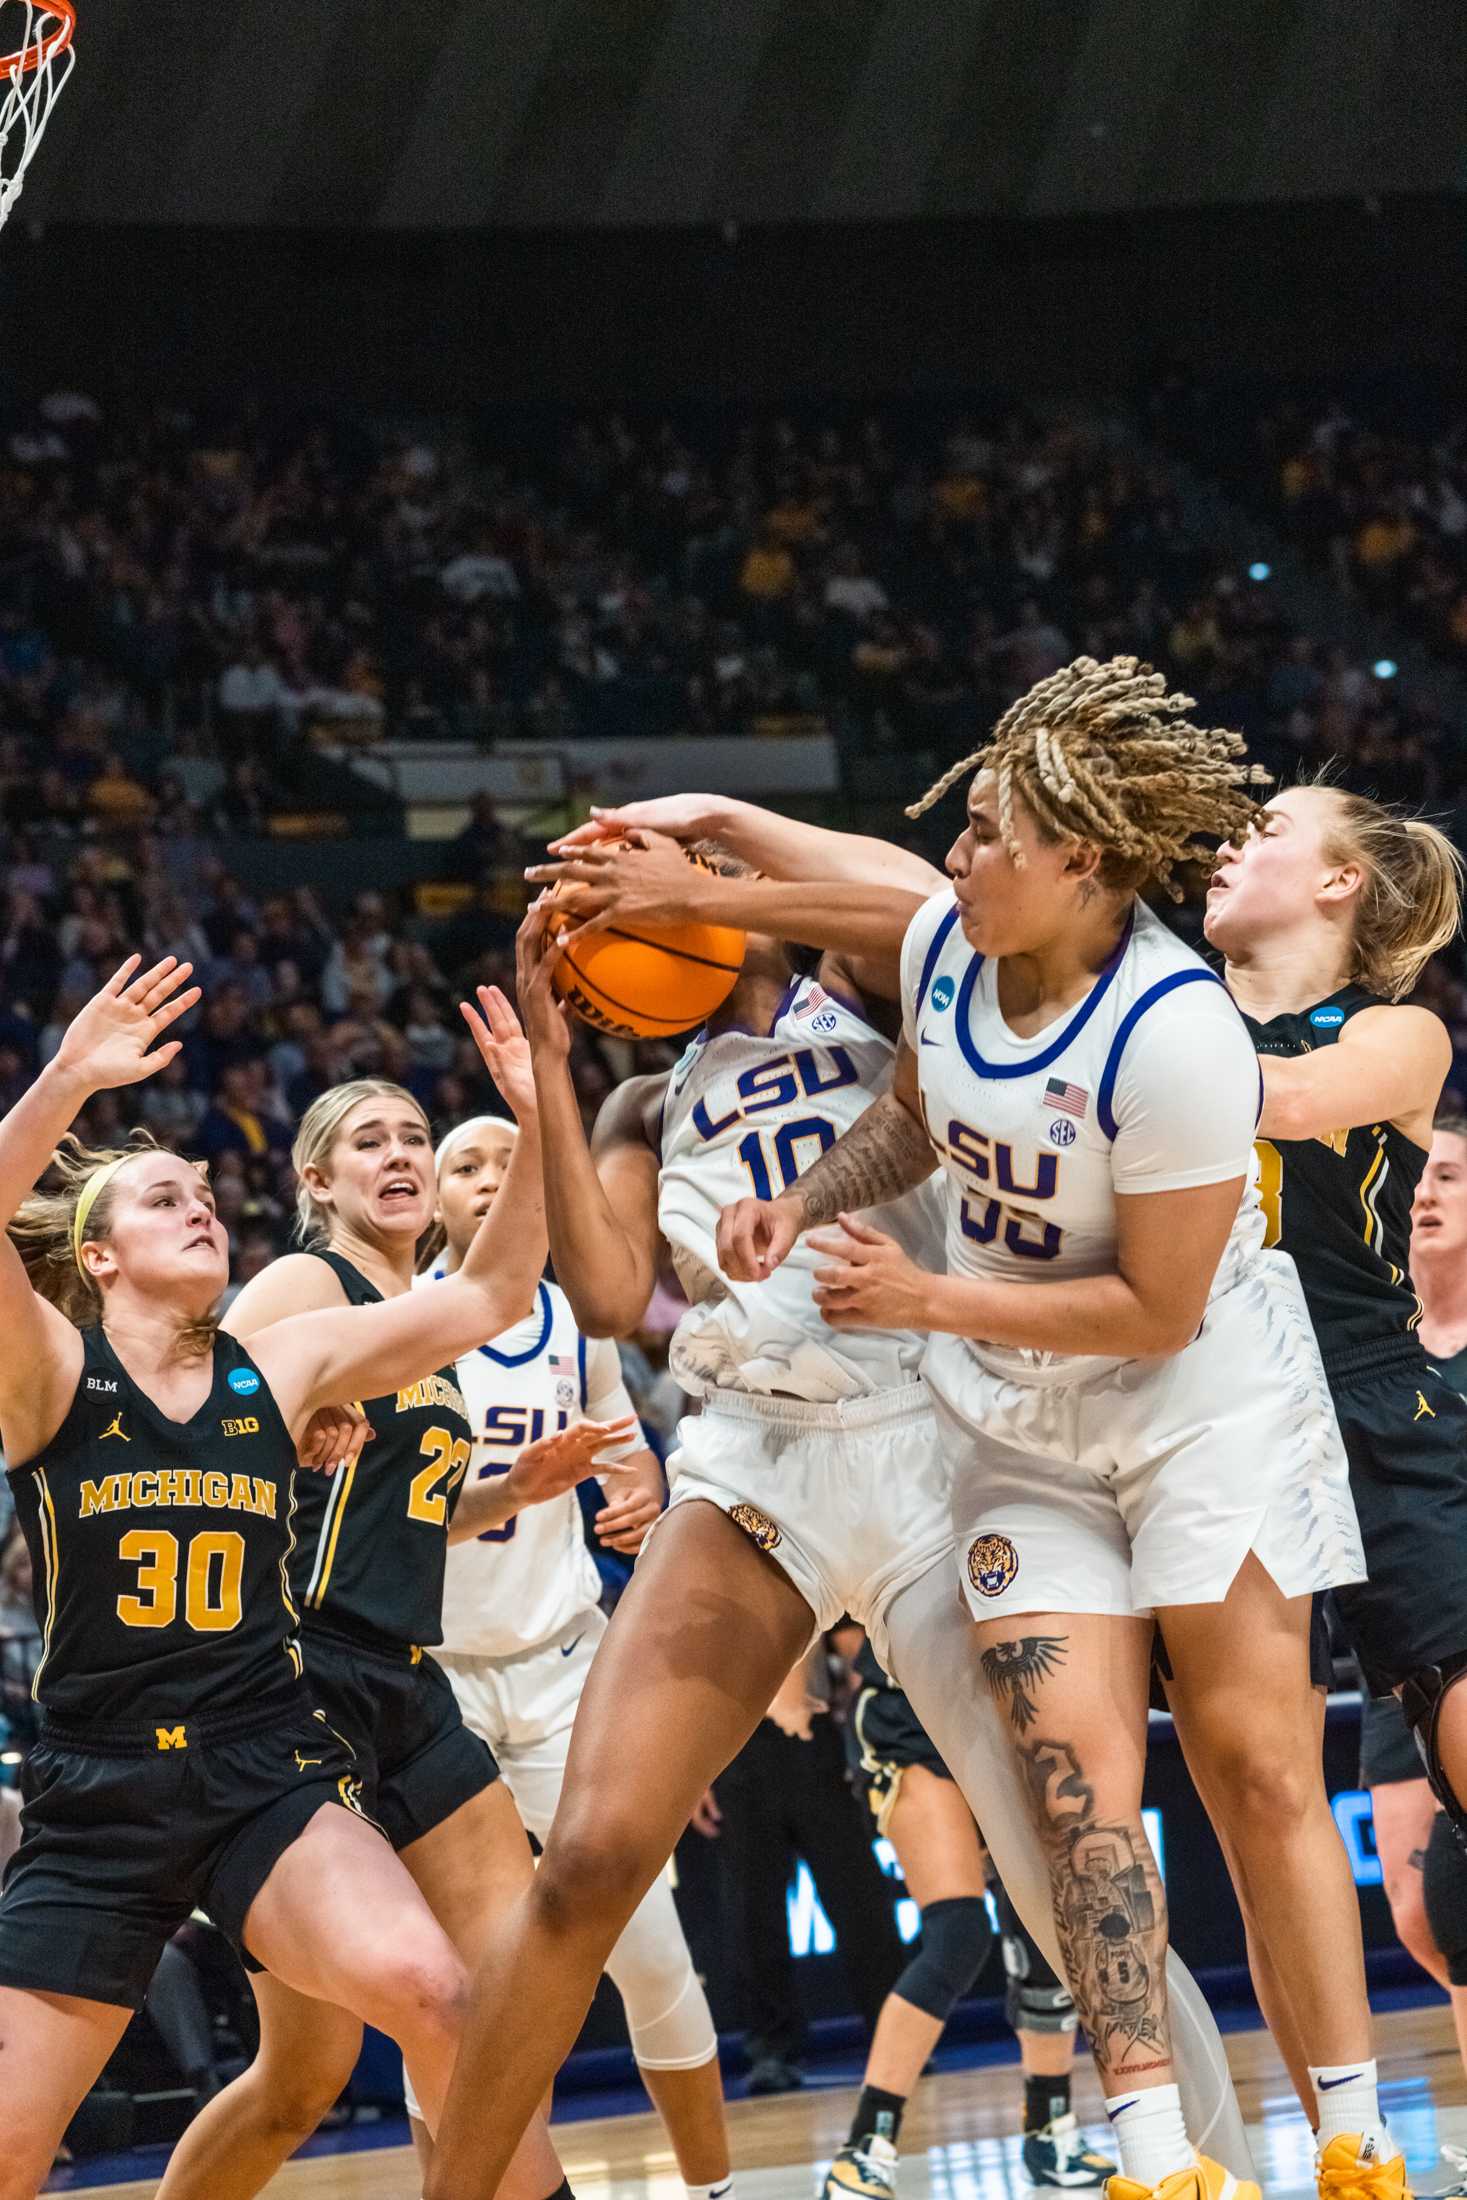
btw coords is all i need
(1107, 753)
(41, 1232)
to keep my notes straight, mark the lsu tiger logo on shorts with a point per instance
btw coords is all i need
(756, 1524)
(992, 1564)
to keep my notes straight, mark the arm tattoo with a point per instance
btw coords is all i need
(1109, 1913)
(884, 1153)
(1012, 1669)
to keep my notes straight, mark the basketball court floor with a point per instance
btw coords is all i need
(958, 2140)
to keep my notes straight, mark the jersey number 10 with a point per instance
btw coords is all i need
(766, 1158)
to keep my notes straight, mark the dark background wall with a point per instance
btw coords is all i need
(648, 316)
(610, 112)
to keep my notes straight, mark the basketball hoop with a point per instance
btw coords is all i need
(31, 77)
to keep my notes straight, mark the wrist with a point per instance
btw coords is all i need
(67, 1080)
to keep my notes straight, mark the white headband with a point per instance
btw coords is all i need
(474, 1123)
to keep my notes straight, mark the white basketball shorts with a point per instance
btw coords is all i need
(524, 1707)
(1148, 1482)
(850, 1499)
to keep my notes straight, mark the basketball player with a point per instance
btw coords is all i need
(1091, 1094)
(810, 1483)
(522, 1620)
(916, 1805)
(1327, 914)
(1423, 1868)
(367, 1576)
(181, 1759)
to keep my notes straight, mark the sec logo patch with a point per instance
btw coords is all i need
(1062, 1132)
(757, 1525)
(992, 1564)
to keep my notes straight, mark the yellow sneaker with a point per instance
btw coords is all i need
(1343, 2175)
(1205, 2180)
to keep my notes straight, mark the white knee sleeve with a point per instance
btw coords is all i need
(934, 1655)
(667, 2010)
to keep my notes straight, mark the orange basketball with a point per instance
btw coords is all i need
(653, 982)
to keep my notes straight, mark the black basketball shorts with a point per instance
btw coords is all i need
(1405, 1432)
(124, 1835)
(418, 1761)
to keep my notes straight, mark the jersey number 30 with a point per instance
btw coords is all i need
(212, 1577)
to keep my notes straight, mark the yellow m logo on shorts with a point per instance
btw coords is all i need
(171, 1737)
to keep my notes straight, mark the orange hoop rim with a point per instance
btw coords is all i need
(45, 48)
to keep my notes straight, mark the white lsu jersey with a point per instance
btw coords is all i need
(1148, 1084)
(744, 1114)
(515, 1587)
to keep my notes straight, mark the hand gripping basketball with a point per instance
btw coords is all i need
(636, 967)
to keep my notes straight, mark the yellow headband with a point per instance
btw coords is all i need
(91, 1192)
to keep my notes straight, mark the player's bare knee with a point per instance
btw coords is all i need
(592, 1872)
(1264, 1789)
(422, 1992)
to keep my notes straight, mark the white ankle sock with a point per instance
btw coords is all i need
(1346, 2097)
(722, 2188)
(1150, 2133)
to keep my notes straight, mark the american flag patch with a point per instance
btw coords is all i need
(558, 1359)
(1069, 1099)
(816, 996)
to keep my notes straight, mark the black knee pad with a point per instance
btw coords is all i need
(956, 1939)
(1035, 2000)
(1422, 1697)
(1444, 1889)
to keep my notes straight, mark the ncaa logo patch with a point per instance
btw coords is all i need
(992, 1564)
(1062, 1132)
(756, 1525)
(942, 993)
(1326, 1019)
(243, 1381)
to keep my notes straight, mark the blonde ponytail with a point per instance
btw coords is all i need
(1410, 904)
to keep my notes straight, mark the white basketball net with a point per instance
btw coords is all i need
(27, 95)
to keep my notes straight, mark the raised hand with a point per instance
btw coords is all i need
(503, 1049)
(755, 1235)
(645, 879)
(108, 1043)
(681, 816)
(536, 950)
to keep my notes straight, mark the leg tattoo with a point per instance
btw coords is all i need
(1012, 1669)
(1109, 1912)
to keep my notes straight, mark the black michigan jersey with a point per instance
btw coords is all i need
(1341, 1207)
(371, 1538)
(160, 1549)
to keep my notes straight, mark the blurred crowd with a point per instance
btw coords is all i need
(186, 602)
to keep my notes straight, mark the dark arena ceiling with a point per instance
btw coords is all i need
(585, 113)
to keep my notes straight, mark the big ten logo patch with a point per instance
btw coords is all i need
(246, 1426)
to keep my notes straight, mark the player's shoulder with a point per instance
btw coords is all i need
(933, 930)
(629, 1114)
(296, 1283)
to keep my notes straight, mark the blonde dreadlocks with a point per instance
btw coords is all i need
(1106, 753)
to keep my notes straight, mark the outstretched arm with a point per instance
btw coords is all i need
(545, 1469)
(884, 1153)
(649, 880)
(601, 1206)
(110, 1043)
(781, 847)
(1387, 1066)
